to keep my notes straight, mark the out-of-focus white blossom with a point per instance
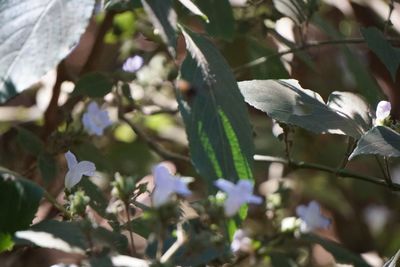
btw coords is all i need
(238, 195)
(311, 217)
(376, 216)
(95, 120)
(290, 224)
(166, 185)
(77, 170)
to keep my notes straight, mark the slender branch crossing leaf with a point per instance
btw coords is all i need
(288, 102)
(164, 19)
(216, 118)
(380, 140)
(389, 55)
(35, 36)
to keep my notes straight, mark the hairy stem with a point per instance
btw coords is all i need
(129, 226)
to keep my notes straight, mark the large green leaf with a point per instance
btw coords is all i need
(35, 36)
(219, 13)
(389, 55)
(164, 19)
(64, 236)
(380, 140)
(341, 254)
(215, 117)
(287, 101)
(19, 200)
(93, 84)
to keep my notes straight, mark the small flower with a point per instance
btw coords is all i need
(311, 217)
(132, 64)
(240, 242)
(382, 112)
(166, 185)
(290, 224)
(238, 195)
(77, 170)
(95, 120)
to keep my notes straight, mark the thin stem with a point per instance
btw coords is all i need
(335, 171)
(389, 177)
(180, 240)
(388, 22)
(129, 226)
(152, 144)
(382, 168)
(57, 205)
(305, 46)
(350, 147)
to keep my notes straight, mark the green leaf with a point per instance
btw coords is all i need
(93, 85)
(389, 55)
(30, 142)
(6, 242)
(380, 140)
(216, 119)
(64, 236)
(366, 83)
(286, 101)
(194, 9)
(47, 166)
(24, 196)
(281, 260)
(221, 22)
(35, 36)
(341, 254)
(114, 240)
(164, 19)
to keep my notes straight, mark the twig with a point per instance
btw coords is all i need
(180, 240)
(389, 177)
(335, 171)
(388, 22)
(57, 205)
(152, 144)
(305, 46)
(129, 227)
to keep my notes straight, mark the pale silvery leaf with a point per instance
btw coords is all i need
(238, 195)
(311, 217)
(166, 185)
(77, 170)
(95, 120)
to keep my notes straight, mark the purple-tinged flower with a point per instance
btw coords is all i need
(95, 120)
(132, 64)
(311, 217)
(77, 170)
(238, 195)
(382, 112)
(240, 242)
(166, 185)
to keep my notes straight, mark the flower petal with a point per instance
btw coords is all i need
(383, 110)
(180, 187)
(254, 199)
(224, 185)
(86, 168)
(232, 204)
(72, 178)
(71, 160)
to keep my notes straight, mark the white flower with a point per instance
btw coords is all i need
(311, 217)
(95, 119)
(290, 224)
(240, 242)
(77, 170)
(132, 64)
(166, 185)
(382, 112)
(238, 195)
